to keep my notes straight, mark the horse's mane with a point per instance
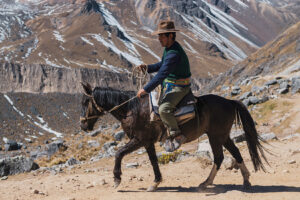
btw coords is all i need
(110, 96)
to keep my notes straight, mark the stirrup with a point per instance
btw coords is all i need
(173, 134)
(177, 142)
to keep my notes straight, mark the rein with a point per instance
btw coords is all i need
(101, 109)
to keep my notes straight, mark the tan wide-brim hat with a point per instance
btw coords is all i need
(165, 26)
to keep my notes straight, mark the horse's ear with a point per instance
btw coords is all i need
(87, 88)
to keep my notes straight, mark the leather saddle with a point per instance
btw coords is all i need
(185, 109)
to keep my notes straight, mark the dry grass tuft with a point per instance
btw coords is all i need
(165, 158)
(78, 148)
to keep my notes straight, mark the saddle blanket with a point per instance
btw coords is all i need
(183, 113)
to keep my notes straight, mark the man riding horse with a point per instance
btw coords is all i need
(173, 73)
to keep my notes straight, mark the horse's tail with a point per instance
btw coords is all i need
(252, 137)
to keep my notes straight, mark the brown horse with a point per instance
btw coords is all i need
(215, 117)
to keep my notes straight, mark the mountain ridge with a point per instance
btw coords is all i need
(57, 33)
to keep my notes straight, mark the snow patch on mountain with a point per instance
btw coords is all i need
(43, 125)
(12, 104)
(87, 41)
(242, 4)
(226, 22)
(48, 62)
(110, 67)
(232, 51)
(58, 36)
(31, 49)
(111, 20)
(108, 43)
(190, 48)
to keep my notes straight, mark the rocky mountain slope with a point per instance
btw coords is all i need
(278, 58)
(268, 82)
(115, 35)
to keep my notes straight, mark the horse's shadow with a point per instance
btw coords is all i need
(223, 188)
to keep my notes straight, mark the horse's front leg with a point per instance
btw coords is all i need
(131, 146)
(154, 162)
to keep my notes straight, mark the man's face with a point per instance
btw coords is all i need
(165, 41)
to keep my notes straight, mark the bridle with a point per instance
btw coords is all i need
(100, 109)
(90, 106)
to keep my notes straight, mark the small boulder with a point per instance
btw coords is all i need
(245, 95)
(107, 145)
(283, 91)
(119, 135)
(246, 102)
(271, 82)
(230, 163)
(236, 87)
(284, 85)
(258, 90)
(115, 126)
(55, 146)
(264, 99)
(12, 145)
(16, 165)
(235, 90)
(295, 85)
(132, 165)
(93, 143)
(225, 88)
(269, 136)
(253, 100)
(72, 161)
(238, 136)
(204, 150)
(110, 152)
(291, 161)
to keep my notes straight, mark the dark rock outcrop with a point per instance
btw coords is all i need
(44, 79)
(55, 146)
(49, 149)
(90, 6)
(16, 165)
(295, 85)
(11, 145)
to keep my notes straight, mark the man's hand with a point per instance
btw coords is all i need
(142, 67)
(141, 93)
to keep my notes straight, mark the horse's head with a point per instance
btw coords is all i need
(90, 111)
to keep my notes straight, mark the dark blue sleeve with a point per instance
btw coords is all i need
(154, 67)
(166, 68)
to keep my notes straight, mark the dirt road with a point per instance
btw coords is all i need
(180, 179)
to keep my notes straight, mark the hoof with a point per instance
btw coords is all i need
(152, 188)
(247, 185)
(202, 187)
(117, 183)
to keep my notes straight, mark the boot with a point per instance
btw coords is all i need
(171, 145)
(178, 141)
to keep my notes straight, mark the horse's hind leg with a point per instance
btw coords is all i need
(218, 159)
(230, 146)
(131, 146)
(154, 162)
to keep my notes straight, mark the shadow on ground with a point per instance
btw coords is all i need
(218, 189)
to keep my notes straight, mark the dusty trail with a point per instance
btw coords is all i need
(180, 179)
